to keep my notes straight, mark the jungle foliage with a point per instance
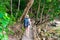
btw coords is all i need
(47, 7)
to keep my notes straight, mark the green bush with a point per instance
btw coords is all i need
(4, 21)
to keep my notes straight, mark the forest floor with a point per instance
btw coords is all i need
(40, 32)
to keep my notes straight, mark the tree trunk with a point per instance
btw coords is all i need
(38, 10)
(11, 7)
(18, 8)
(26, 10)
(18, 5)
(42, 13)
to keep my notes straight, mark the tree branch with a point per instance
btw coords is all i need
(11, 7)
(18, 8)
(42, 13)
(38, 9)
(30, 3)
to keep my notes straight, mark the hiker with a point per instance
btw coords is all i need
(27, 24)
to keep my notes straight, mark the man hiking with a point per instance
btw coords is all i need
(27, 24)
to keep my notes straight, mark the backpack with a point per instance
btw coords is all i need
(26, 22)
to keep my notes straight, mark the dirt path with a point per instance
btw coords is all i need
(27, 36)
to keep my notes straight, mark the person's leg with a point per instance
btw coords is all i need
(27, 32)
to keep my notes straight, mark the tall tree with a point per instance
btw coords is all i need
(42, 13)
(26, 10)
(18, 8)
(38, 10)
(11, 7)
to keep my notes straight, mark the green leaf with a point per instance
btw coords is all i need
(6, 29)
(4, 23)
(48, 0)
(5, 37)
(6, 18)
(1, 35)
(1, 29)
(1, 15)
